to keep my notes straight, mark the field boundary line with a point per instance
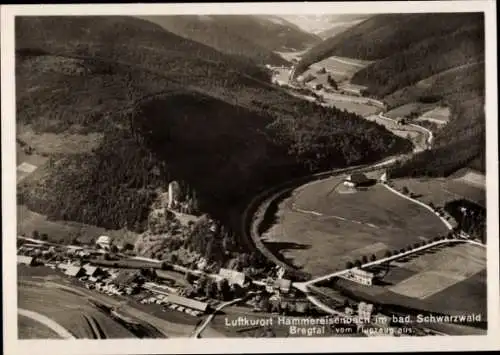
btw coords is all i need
(46, 321)
(446, 223)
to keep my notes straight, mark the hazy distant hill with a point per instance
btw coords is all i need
(213, 32)
(321, 24)
(255, 37)
(422, 57)
(337, 28)
(165, 108)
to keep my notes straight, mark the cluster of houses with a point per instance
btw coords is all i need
(113, 281)
(369, 322)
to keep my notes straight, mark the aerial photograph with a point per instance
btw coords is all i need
(251, 176)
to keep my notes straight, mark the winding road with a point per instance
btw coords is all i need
(255, 212)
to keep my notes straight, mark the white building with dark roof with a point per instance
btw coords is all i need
(104, 242)
(232, 276)
(74, 271)
(25, 260)
(360, 276)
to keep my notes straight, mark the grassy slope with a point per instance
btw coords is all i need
(421, 57)
(382, 35)
(271, 32)
(151, 93)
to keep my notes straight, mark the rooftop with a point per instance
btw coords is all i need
(357, 178)
(187, 302)
(233, 276)
(73, 270)
(22, 259)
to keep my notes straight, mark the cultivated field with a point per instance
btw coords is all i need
(54, 143)
(359, 108)
(27, 164)
(321, 227)
(440, 115)
(439, 191)
(341, 69)
(57, 231)
(72, 312)
(62, 300)
(407, 109)
(446, 279)
(436, 272)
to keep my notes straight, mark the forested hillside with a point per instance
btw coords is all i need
(168, 108)
(213, 32)
(428, 58)
(254, 37)
(384, 35)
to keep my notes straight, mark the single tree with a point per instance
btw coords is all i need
(364, 259)
(349, 265)
(373, 257)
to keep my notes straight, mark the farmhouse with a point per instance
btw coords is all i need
(232, 276)
(25, 260)
(92, 271)
(361, 276)
(355, 180)
(187, 302)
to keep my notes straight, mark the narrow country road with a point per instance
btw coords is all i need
(303, 286)
(46, 321)
(207, 321)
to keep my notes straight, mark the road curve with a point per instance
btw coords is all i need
(46, 321)
(201, 328)
(427, 207)
(252, 216)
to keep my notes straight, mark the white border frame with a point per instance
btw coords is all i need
(269, 345)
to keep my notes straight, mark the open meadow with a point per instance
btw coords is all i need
(449, 279)
(322, 226)
(408, 109)
(341, 69)
(65, 231)
(440, 191)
